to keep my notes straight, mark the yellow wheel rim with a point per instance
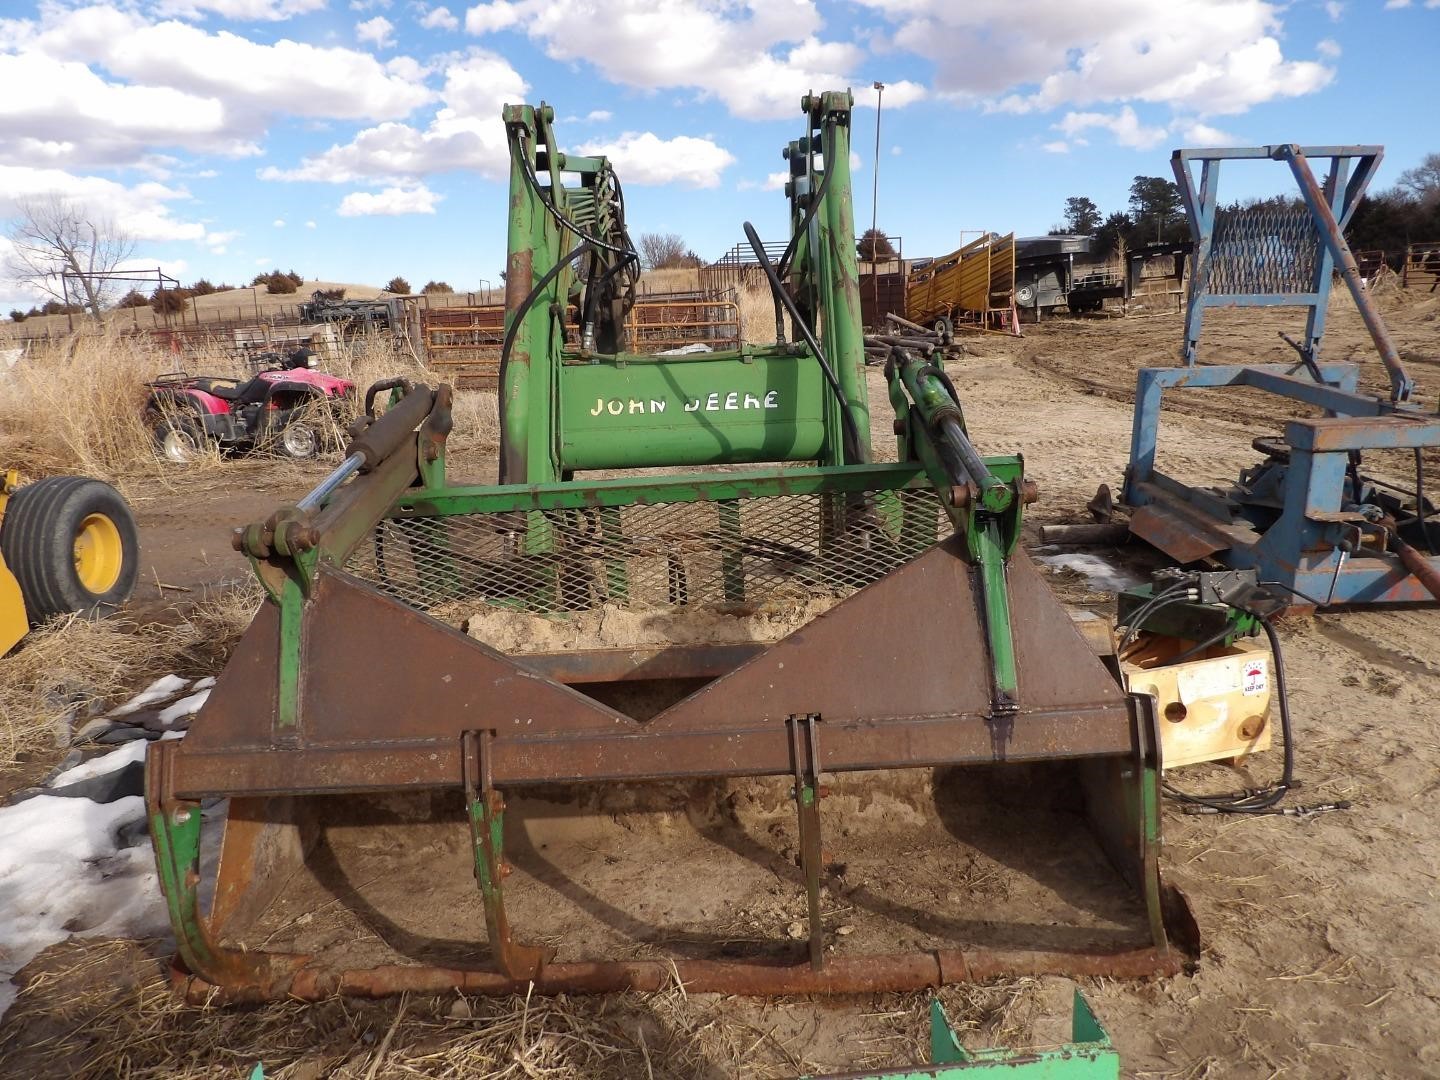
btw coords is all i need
(99, 554)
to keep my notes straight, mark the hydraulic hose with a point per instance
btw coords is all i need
(855, 448)
(810, 211)
(508, 342)
(1265, 799)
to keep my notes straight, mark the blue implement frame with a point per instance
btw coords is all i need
(1298, 517)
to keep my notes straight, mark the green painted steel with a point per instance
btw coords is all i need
(601, 408)
(999, 633)
(1089, 1055)
(690, 487)
(527, 381)
(639, 412)
(837, 267)
(175, 835)
(292, 610)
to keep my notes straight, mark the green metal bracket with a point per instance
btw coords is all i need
(485, 809)
(1088, 1056)
(175, 830)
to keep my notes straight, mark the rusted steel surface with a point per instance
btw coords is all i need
(1424, 571)
(387, 706)
(621, 665)
(1184, 537)
(887, 973)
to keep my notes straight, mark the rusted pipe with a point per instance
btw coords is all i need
(1417, 564)
(887, 973)
(1085, 534)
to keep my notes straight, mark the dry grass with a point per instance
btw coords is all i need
(676, 279)
(106, 1009)
(757, 315)
(73, 668)
(250, 304)
(76, 406)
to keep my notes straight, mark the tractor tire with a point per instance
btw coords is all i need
(299, 440)
(72, 545)
(178, 439)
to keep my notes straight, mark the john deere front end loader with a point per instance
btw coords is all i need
(783, 718)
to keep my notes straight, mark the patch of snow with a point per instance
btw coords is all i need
(184, 707)
(63, 872)
(1101, 575)
(205, 683)
(99, 766)
(162, 688)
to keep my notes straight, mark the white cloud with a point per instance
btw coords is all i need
(645, 158)
(776, 181)
(239, 10)
(1198, 134)
(1125, 126)
(143, 210)
(1058, 146)
(391, 201)
(897, 95)
(1335, 9)
(439, 19)
(598, 116)
(466, 133)
(102, 86)
(1210, 57)
(377, 31)
(219, 242)
(759, 63)
(279, 223)
(59, 112)
(1329, 48)
(252, 80)
(309, 224)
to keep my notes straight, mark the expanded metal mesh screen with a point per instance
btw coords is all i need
(1263, 250)
(712, 554)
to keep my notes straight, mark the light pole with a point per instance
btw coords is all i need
(875, 206)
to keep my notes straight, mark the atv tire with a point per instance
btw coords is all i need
(72, 545)
(299, 440)
(178, 439)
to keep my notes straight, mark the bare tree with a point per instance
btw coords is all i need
(662, 250)
(1423, 181)
(59, 246)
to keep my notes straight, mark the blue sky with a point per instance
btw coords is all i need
(353, 140)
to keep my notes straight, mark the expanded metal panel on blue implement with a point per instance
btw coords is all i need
(1263, 250)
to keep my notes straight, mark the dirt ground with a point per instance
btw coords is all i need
(1320, 935)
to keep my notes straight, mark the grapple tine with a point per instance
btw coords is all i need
(486, 814)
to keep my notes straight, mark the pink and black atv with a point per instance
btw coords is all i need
(289, 406)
